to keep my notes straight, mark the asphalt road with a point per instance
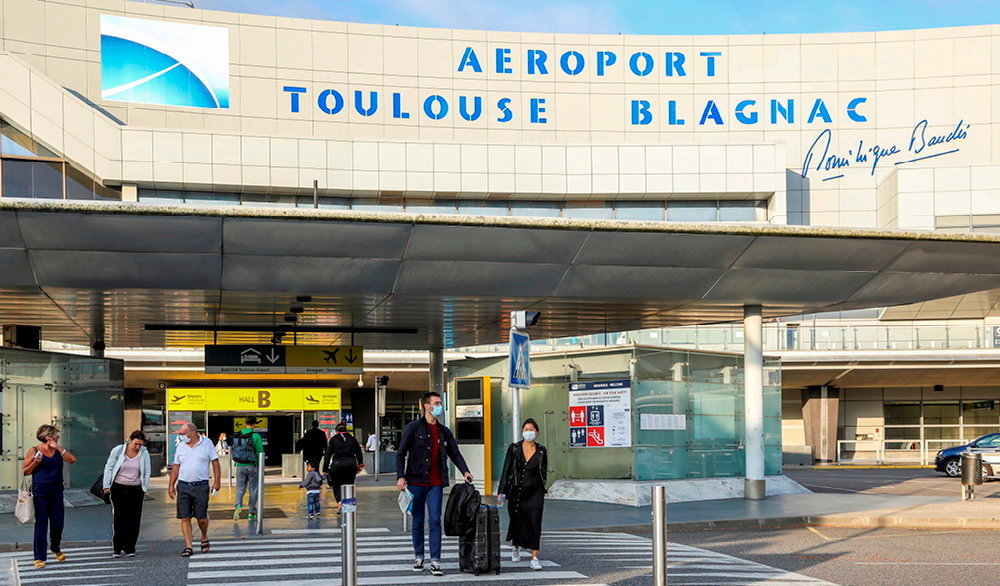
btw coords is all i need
(863, 556)
(897, 481)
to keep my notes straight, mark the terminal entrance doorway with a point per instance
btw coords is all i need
(278, 430)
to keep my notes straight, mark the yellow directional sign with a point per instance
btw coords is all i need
(253, 399)
(324, 359)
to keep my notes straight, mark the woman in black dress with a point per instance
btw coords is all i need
(522, 484)
(343, 460)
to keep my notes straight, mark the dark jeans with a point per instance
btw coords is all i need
(430, 496)
(126, 505)
(50, 515)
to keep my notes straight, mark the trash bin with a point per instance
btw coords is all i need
(972, 469)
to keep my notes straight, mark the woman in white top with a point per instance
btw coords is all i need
(222, 448)
(126, 479)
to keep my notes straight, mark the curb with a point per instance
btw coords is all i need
(29, 545)
(874, 467)
(860, 522)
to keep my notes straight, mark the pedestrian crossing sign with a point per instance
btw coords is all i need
(520, 368)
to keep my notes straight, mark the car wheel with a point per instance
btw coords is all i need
(953, 468)
(987, 472)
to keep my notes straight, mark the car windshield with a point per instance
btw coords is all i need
(988, 441)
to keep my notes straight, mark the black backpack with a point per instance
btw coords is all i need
(243, 451)
(463, 504)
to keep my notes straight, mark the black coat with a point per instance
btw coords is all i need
(413, 457)
(341, 447)
(312, 444)
(512, 476)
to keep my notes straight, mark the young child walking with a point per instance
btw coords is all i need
(312, 483)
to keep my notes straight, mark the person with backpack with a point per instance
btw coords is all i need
(246, 451)
(422, 468)
(343, 460)
(522, 485)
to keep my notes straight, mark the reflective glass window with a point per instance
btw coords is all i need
(483, 208)
(431, 206)
(639, 210)
(209, 198)
(544, 209)
(268, 200)
(596, 210)
(35, 179)
(334, 203)
(377, 205)
(14, 142)
(902, 413)
(79, 185)
(692, 211)
(737, 211)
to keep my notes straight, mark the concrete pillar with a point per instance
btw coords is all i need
(753, 401)
(436, 374)
(130, 192)
(820, 411)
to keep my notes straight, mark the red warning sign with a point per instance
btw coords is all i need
(595, 437)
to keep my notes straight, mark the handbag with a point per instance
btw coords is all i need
(97, 489)
(24, 510)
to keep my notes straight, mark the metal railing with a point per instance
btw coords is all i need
(892, 451)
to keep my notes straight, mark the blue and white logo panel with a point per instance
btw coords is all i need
(164, 63)
(520, 366)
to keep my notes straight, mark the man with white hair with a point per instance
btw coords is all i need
(193, 457)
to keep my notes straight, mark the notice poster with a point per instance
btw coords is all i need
(600, 414)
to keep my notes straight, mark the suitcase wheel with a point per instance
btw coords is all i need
(476, 573)
(498, 571)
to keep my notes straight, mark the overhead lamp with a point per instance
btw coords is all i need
(304, 298)
(297, 309)
(361, 380)
(291, 317)
(522, 320)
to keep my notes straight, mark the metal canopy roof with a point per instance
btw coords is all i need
(83, 271)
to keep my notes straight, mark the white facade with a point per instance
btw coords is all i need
(874, 88)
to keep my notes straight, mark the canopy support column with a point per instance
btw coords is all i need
(753, 400)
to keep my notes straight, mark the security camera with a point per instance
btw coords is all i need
(522, 320)
(161, 385)
(99, 346)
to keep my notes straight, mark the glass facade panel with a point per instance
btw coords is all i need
(640, 210)
(972, 433)
(376, 205)
(34, 179)
(596, 210)
(210, 198)
(947, 432)
(78, 184)
(737, 211)
(16, 143)
(546, 209)
(979, 412)
(906, 413)
(940, 413)
(692, 211)
(82, 395)
(334, 203)
(431, 206)
(483, 208)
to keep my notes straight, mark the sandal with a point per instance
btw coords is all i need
(188, 552)
(60, 556)
(205, 546)
(39, 564)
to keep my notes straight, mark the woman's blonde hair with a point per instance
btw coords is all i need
(45, 432)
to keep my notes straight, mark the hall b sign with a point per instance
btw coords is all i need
(268, 359)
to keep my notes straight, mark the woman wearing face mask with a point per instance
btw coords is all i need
(522, 485)
(343, 460)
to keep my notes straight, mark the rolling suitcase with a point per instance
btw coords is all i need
(479, 547)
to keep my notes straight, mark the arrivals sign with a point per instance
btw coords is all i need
(600, 414)
(268, 359)
(253, 399)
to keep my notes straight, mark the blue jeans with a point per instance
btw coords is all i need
(246, 477)
(431, 496)
(312, 500)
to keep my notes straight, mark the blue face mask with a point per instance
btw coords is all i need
(437, 410)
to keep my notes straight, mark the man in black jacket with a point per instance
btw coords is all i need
(312, 444)
(422, 467)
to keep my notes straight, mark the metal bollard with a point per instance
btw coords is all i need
(260, 495)
(972, 474)
(348, 537)
(660, 535)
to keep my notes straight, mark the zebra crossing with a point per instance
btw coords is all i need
(84, 565)
(685, 564)
(298, 557)
(383, 558)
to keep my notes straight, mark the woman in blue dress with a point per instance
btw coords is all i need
(44, 463)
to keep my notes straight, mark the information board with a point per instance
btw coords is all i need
(600, 414)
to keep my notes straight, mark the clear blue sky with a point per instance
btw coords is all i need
(637, 16)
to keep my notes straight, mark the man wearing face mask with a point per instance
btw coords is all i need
(193, 457)
(422, 467)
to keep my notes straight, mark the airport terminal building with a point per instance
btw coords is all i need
(184, 167)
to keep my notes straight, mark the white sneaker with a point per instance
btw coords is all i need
(535, 564)
(515, 556)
